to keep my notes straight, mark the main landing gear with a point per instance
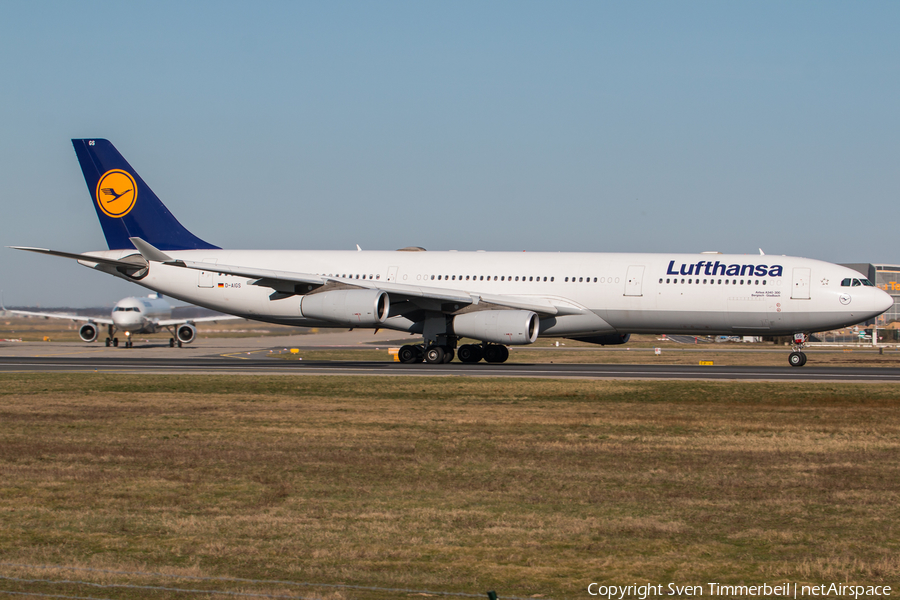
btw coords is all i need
(797, 358)
(467, 353)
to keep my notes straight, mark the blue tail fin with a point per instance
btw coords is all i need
(125, 205)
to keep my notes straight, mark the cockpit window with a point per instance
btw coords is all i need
(856, 282)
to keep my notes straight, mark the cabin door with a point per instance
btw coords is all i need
(800, 285)
(633, 280)
(205, 278)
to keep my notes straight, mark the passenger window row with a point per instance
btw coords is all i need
(523, 278)
(715, 281)
(486, 278)
(352, 276)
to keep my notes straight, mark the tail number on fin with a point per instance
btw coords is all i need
(116, 193)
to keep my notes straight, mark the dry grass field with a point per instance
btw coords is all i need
(532, 488)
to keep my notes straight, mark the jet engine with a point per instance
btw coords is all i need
(610, 339)
(88, 332)
(186, 333)
(509, 327)
(347, 307)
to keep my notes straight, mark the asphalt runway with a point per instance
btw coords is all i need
(251, 356)
(269, 366)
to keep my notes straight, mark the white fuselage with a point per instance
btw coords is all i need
(140, 315)
(615, 292)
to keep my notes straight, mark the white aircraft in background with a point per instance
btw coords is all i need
(497, 298)
(132, 316)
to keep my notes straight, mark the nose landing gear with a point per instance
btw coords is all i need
(797, 358)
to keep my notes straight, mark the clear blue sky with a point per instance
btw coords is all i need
(595, 126)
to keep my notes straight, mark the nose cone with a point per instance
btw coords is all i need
(127, 321)
(882, 300)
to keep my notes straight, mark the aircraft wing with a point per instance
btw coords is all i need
(168, 322)
(284, 277)
(294, 283)
(284, 281)
(101, 320)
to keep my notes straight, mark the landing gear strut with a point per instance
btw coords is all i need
(797, 358)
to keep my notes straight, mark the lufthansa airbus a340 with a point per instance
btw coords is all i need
(496, 298)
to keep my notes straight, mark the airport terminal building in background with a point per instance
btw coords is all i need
(887, 277)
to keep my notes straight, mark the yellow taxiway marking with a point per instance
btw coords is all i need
(241, 354)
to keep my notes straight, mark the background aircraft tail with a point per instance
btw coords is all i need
(125, 205)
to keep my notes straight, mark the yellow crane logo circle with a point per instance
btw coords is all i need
(116, 193)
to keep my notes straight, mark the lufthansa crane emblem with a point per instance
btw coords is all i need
(116, 193)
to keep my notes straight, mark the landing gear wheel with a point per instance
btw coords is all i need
(434, 355)
(171, 342)
(108, 342)
(495, 353)
(504, 354)
(129, 344)
(470, 353)
(797, 359)
(409, 355)
(449, 353)
(179, 343)
(116, 342)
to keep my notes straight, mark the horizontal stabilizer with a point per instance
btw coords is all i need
(100, 260)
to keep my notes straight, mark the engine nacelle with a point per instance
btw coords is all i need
(347, 307)
(186, 333)
(610, 339)
(508, 327)
(88, 332)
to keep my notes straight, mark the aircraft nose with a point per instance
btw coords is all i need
(883, 301)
